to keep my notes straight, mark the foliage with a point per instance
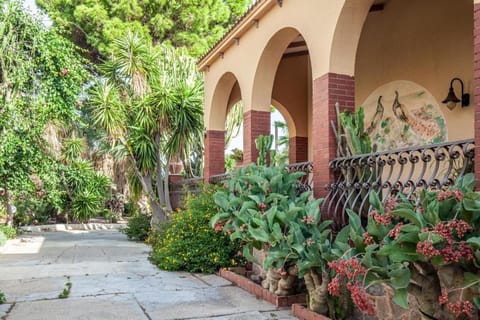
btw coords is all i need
(430, 249)
(9, 232)
(3, 238)
(88, 191)
(66, 291)
(150, 109)
(256, 204)
(263, 145)
(3, 299)
(187, 243)
(41, 77)
(233, 122)
(352, 137)
(138, 227)
(195, 25)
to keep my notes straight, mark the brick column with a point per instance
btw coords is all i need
(298, 149)
(327, 90)
(476, 88)
(214, 153)
(255, 123)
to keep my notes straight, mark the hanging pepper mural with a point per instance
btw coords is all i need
(402, 114)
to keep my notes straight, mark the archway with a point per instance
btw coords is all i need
(227, 93)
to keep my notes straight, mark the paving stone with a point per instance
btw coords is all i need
(213, 280)
(112, 278)
(109, 307)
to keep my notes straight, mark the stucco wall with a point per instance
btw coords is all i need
(291, 91)
(428, 42)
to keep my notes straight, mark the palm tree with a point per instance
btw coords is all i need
(150, 105)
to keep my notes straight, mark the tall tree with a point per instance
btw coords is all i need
(194, 24)
(41, 77)
(150, 106)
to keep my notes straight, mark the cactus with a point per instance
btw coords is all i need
(352, 137)
(263, 144)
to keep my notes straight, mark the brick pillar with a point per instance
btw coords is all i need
(255, 123)
(327, 90)
(476, 88)
(298, 149)
(214, 153)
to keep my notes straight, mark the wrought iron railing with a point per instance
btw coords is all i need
(405, 171)
(216, 179)
(305, 182)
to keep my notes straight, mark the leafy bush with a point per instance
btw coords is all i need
(3, 238)
(3, 299)
(9, 232)
(138, 227)
(88, 193)
(187, 242)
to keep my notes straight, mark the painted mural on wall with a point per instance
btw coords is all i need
(401, 114)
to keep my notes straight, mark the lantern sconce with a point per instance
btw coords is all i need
(451, 100)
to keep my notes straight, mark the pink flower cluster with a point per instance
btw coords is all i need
(368, 239)
(395, 232)
(383, 219)
(308, 219)
(351, 269)
(457, 308)
(444, 195)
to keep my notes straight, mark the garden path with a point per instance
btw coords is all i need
(111, 278)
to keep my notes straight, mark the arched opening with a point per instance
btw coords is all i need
(284, 79)
(226, 95)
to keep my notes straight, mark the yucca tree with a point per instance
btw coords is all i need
(150, 105)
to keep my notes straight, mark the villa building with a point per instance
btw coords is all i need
(399, 59)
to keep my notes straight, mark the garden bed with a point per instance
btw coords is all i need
(238, 277)
(301, 312)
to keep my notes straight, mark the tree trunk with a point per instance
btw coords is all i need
(158, 214)
(10, 212)
(317, 286)
(159, 176)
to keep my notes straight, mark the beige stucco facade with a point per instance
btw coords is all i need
(281, 51)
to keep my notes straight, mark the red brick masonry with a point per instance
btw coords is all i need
(302, 313)
(298, 149)
(214, 153)
(327, 91)
(259, 291)
(255, 123)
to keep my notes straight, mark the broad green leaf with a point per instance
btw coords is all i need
(354, 221)
(400, 298)
(470, 279)
(399, 278)
(409, 215)
(474, 241)
(375, 201)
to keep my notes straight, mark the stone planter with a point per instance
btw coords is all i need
(301, 312)
(256, 289)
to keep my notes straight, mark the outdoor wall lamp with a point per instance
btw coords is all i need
(451, 100)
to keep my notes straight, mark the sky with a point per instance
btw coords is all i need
(237, 142)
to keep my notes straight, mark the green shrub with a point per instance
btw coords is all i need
(188, 243)
(3, 299)
(138, 227)
(9, 232)
(3, 238)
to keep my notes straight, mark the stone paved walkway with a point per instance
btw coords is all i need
(111, 279)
